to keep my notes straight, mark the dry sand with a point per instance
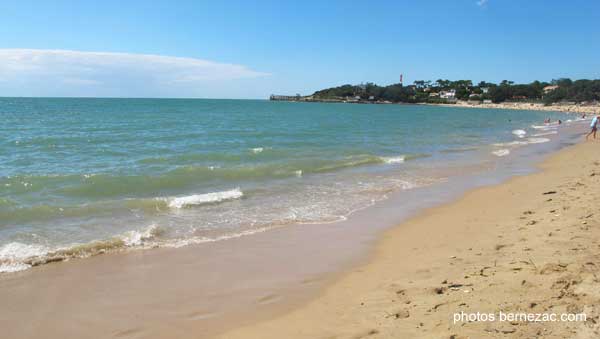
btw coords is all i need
(529, 245)
(557, 107)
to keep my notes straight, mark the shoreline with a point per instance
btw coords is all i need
(523, 106)
(177, 276)
(538, 253)
(568, 108)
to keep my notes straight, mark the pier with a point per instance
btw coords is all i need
(275, 97)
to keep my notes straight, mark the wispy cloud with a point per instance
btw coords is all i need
(121, 74)
(482, 3)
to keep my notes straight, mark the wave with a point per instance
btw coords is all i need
(16, 256)
(394, 160)
(19, 256)
(545, 127)
(13, 256)
(544, 134)
(139, 238)
(257, 150)
(193, 158)
(501, 152)
(15, 214)
(510, 143)
(105, 186)
(537, 140)
(519, 133)
(207, 198)
(459, 150)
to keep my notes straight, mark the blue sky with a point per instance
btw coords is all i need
(250, 49)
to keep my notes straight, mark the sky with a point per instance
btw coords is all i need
(251, 49)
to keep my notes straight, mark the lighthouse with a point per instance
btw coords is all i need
(400, 79)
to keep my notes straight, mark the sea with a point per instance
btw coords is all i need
(85, 176)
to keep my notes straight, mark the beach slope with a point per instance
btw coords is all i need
(530, 245)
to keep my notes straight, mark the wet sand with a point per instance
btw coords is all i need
(190, 292)
(529, 245)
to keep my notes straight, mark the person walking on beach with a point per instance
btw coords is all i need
(594, 126)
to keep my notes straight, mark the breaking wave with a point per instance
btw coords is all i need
(501, 152)
(394, 160)
(202, 199)
(537, 140)
(519, 133)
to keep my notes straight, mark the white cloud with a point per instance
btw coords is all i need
(482, 3)
(66, 72)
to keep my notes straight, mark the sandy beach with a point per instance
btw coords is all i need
(558, 107)
(530, 245)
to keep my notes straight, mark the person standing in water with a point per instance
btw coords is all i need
(594, 126)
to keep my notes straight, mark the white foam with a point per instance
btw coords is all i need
(201, 240)
(537, 140)
(519, 133)
(298, 173)
(544, 127)
(139, 238)
(13, 267)
(13, 254)
(207, 198)
(394, 160)
(511, 143)
(544, 133)
(257, 150)
(17, 251)
(501, 152)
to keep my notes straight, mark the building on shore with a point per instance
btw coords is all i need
(549, 89)
(450, 95)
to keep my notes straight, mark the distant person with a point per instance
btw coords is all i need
(583, 116)
(559, 121)
(594, 126)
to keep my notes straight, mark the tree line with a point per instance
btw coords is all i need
(422, 91)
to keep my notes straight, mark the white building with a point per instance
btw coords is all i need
(451, 94)
(549, 89)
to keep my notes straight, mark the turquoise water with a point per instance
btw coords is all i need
(82, 176)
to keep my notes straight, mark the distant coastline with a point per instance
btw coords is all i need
(565, 95)
(593, 108)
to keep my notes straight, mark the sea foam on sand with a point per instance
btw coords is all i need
(13, 254)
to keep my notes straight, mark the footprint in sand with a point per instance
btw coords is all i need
(268, 299)
(129, 333)
(365, 334)
(200, 315)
